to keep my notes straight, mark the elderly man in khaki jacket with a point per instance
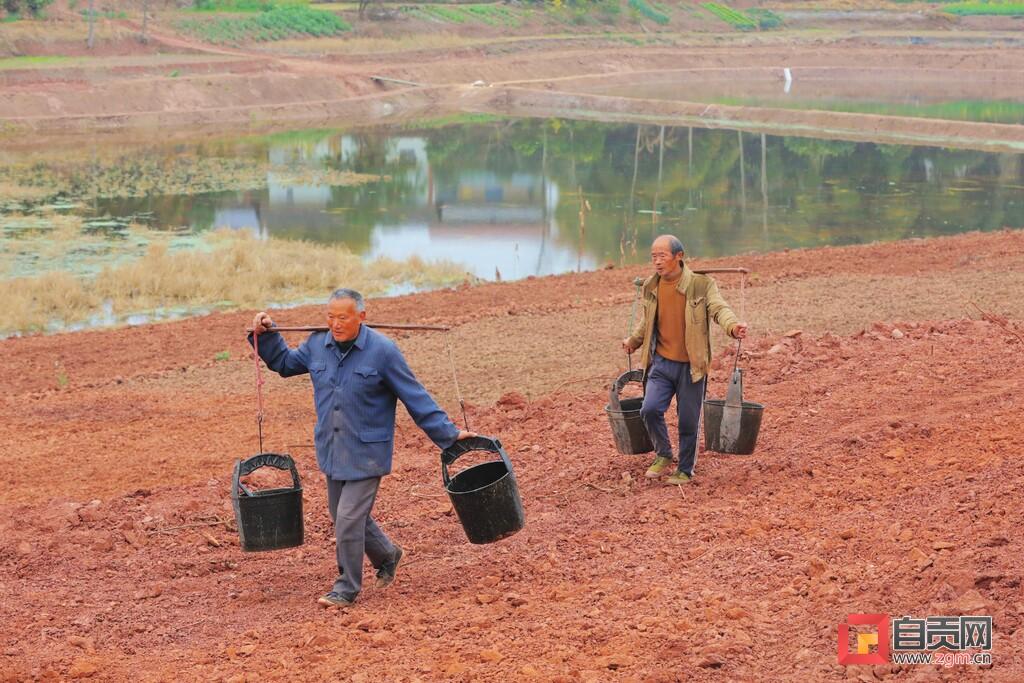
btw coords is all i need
(675, 338)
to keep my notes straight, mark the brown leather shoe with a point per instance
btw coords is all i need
(387, 571)
(334, 599)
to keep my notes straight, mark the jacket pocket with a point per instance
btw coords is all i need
(320, 375)
(375, 435)
(366, 379)
(698, 310)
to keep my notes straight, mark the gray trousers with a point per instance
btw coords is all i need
(665, 379)
(355, 532)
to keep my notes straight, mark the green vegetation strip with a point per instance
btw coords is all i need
(962, 110)
(29, 62)
(965, 9)
(274, 24)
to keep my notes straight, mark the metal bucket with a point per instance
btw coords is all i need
(628, 428)
(485, 496)
(750, 426)
(741, 438)
(271, 519)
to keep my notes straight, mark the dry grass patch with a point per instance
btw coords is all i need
(12, 191)
(232, 270)
(57, 30)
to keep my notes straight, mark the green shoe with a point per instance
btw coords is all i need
(679, 478)
(658, 467)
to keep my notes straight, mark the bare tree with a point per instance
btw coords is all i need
(743, 175)
(144, 38)
(92, 21)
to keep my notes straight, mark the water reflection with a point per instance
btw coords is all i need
(532, 197)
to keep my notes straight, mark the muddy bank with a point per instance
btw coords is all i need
(816, 124)
(323, 92)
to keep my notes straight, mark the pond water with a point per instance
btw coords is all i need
(503, 197)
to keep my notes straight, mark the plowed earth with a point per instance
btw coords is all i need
(887, 478)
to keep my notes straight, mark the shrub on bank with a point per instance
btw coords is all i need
(17, 8)
(652, 13)
(765, 18)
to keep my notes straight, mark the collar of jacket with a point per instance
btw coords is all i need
(364, 332)
(651, 286)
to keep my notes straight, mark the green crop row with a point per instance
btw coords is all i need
(452, 15)
(655, 15)
(274, 24)
(730, 16)
(965, 9)
(490, 14)
(494, 15)
(244, 5)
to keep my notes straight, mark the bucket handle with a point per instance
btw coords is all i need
(620, 384)
(250, 465)
(734, 395)
(474, 443)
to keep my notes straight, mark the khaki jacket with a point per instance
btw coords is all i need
(704, 303)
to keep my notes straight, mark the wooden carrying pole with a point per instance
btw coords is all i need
(705, 271)
(385, 326)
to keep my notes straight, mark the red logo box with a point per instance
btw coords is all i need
(881, 622)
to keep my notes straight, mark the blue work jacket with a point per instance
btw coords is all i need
(355, 397)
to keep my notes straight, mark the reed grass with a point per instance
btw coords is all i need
(232, 270)
(12, 191)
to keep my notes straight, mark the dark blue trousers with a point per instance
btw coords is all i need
(665, 379)
(355, 532)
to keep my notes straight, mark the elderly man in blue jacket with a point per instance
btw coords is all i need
(358, 377)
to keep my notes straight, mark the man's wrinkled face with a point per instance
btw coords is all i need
(664, 262)
(344, 319)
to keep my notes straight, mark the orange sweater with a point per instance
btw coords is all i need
(671, 322)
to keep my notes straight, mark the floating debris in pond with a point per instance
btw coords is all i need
(107, 225)
(21, 224)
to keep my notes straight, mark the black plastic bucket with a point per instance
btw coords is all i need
(628, 429)
(271, 519)
(485, 496)
(750, 425)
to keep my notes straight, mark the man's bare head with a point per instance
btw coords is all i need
(667, 256)
(346, 311)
